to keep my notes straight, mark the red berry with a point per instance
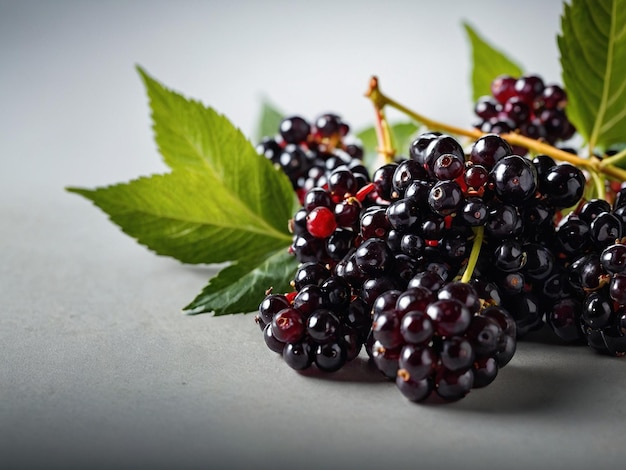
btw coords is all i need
(503, 88)
(321, 222)
(288, 325)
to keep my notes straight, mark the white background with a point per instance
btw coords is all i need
(98, 365)
(74, 106)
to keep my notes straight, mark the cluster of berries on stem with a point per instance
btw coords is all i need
(440, 261)
(307, 152)
(525, 105)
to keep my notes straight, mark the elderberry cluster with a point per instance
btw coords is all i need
(525, 105)
(326, 226)
(519, 256)
(439, 198)
(320, 323)
(591, 244)
(382, 260)
(308, 152)
(396, 233)
(444, 341)
(323, 322)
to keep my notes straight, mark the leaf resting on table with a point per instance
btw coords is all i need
(241, 287)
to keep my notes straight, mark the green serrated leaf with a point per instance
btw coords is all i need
(402, 134)
(193, 136)
(241, 286)
(269, 121)
(222, 202)
(488, 62)
(592, 45)
(194, 217)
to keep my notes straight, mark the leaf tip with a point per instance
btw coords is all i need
(192, 310)
(142, 72)
(149, 82)
(77, 190)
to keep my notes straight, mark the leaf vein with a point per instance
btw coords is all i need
(607, 74)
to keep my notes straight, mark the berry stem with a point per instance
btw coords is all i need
(599, 183)
(477, 244)
(385, 148)
(381, 100)
(614, 159)
(592, 164)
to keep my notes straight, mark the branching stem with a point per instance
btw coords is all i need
(593, 164)
(600, 186)
(385, 149)
(614, 159)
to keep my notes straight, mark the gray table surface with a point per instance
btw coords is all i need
(100, 368)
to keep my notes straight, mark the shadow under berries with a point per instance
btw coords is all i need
(524, 390)
(359, 370)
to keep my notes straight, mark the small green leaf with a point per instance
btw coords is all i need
(194, 218)
(402, 134)
(241, 286)
(269, 121)
(593, 59)
(488, 63)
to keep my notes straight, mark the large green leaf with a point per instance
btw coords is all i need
(193, 136)
(241, 287)
(592, 45)
(222, 202)
(192, 217)
(487, 63)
